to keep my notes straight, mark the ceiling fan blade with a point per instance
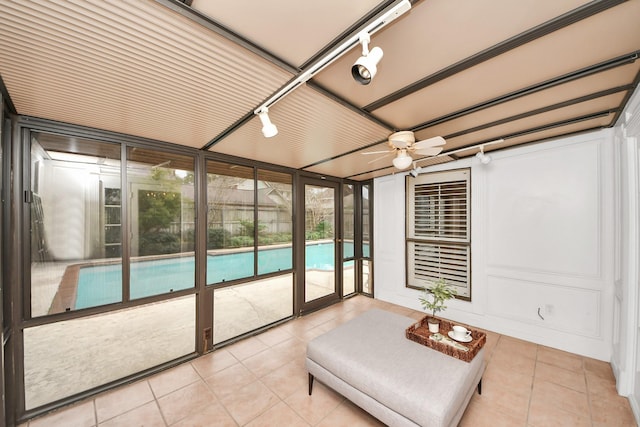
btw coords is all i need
(431, 142)
(431, 151)
(379, 158)
(376, 152)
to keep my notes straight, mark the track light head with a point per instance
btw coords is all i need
(415, 171)
(366, 67)
(402, 160)
(484, 159)
(268, 129)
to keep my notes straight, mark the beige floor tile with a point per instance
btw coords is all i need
(185, 401)
(173, 379)
(490, 344)
(226, 382)
(79, 415)
(543, 414)
(599, 368)
(309, 334)
(266, 362)
(600, 386)
(549, 394)
(516, 348)
(147, 415)
(279, 415)
(315, 407)
(561, 359)
(294, 348)
(215, 361)
(246, 348)
(262, 380)
(489, 415)
(349, 415)
(285, 380)
(515, 382)
(512, 363)
(512, 400)
(322, 316)
(611, 410)
(122, 400)
(553, 374)
(298, 327)
(274, 336)
(249, 401)
(214, 415)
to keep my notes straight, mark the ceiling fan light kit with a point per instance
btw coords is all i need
(402, 160)
(404, 143)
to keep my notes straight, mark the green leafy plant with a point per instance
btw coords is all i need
(434, 297)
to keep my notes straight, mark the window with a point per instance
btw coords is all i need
(236, 198)
(162, 221)
(438, 232)
(76, 260)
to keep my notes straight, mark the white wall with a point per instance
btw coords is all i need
(541, 236)
(626, 334)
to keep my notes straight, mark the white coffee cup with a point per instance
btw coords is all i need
(461, 333)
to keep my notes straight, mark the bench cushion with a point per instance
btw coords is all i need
(372, 354)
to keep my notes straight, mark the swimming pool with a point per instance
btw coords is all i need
(102, 284)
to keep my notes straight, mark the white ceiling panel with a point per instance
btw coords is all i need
(311, 128)
(292, 30)
(429, 38)
(616, 77)
(131, 67)
(470, 71)
(564, 51)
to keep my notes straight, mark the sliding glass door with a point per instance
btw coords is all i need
(319, 284)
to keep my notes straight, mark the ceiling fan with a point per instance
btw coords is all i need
(404, 144)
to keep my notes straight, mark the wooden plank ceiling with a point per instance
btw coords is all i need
(472, 72)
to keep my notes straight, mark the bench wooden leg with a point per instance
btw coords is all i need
(479, 387)
(310, 384)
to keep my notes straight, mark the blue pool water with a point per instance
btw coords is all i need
(102, 284)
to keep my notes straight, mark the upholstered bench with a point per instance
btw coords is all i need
(400, 382)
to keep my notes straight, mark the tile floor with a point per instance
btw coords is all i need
(261, 381)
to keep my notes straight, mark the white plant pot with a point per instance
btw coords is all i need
(434, 328)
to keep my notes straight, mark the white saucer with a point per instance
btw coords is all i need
(467, 339)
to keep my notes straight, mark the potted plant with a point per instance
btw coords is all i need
(433, 299)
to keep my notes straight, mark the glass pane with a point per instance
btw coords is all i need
(348, 278)
(366, 221)
(348, 220)
(243, 308)
(75, 224)
(319, 242)
(230, 216)
(275, 221)
(65, 358)
(162, 221)
(366, 277)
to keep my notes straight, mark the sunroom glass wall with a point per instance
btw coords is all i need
(162, 222)
(75, 224)
(275, 222)
(348, 240)
(230, 218)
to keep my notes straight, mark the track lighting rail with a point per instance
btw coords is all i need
(380, 22)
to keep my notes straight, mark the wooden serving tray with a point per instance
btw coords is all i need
(419, 332)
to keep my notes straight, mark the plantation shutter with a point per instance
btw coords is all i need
(438, 237)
